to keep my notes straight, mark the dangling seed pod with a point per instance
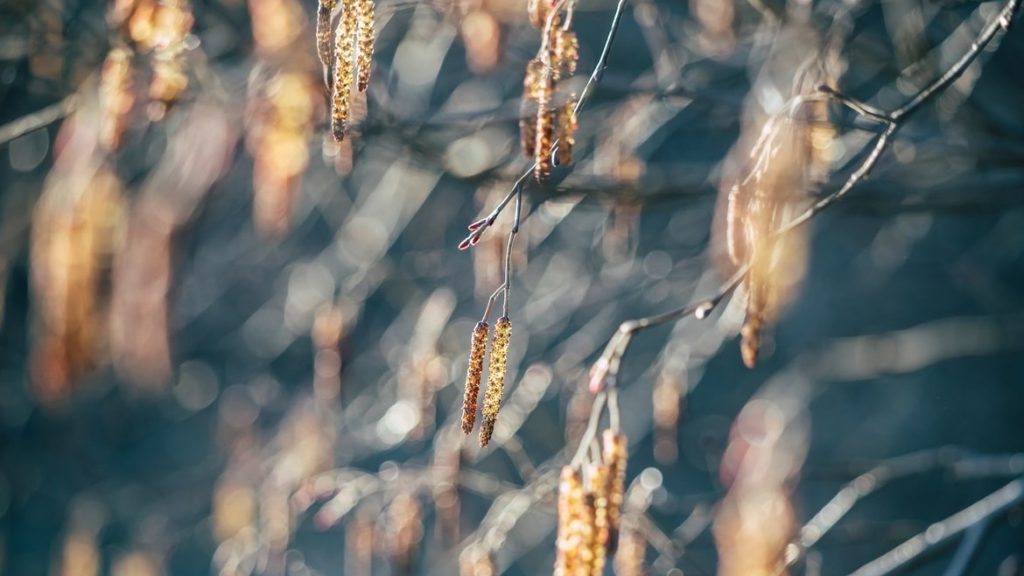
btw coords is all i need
(496, 378)
(615, 455)
(344, 71)
(323, 36)
(474, 373)
(566, 132)
(366, 40)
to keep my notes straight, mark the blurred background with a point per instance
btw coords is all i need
(229, 345)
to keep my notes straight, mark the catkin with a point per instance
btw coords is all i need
(538, 12)
(323, 36)
(598, 488)
(615, 456)
(566, 50)
(528, 107)
(566, 132)
(366, 39)
(571, 519)
(344, 68)
(496, 378)
(629, 560)
(116, 96)
(477, 349)
(545, 126)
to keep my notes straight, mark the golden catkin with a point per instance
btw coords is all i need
(569, 549)
(750, 332)
(566, 132)
(474, 373)
(365, 12)
(629, 559)
(566, 50)
(344, 69)
(545, 126)
(172, 24)
(528, 107)
(538, 12)
(323, 36)
(615, 456)
(496, 377)
(598, 488)
(116, 96)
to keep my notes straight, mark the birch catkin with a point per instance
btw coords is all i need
(571, 507)
(323, 36)
(496, 378)
(477, 348)
(366, 39)
(344, 69)
(566, 132)
(615, 456)
(598, 488)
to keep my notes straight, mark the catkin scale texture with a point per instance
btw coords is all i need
(598, 488)
(366, 38)
(496, 377)
(474, 373)
(615, 457)
(344, 69)
(323, 35)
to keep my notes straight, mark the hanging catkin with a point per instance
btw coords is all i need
(615, 455)
(344, 69)
(496, 378)
(474, 373)
(366, 39)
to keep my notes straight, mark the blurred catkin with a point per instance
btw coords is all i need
(598, 488)
(629, 559)
(566, 132)
(117, 96)
(615, 457)
(474, 373)
(496, 378)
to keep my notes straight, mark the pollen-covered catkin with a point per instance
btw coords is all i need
(528, 107)
(571, 507)
(116, 96)
(344, 69)
(496, 377)
(323, 36)
(545, 131)
(366, 39)
(615, 456)
(598, 489)
(474, 373)
(566, 132)
(566, 50)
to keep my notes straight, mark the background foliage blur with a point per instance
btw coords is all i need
(214, 320)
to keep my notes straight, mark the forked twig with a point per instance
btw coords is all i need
(606, 368)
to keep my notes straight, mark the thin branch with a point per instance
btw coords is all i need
(606, 367)
(942, 533)
(38, 119)
(480, 226)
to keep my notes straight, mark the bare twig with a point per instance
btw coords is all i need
(38, 119)
(606, 367)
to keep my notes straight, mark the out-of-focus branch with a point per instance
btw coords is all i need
(606, 367)
(38, 119)
(942, 533)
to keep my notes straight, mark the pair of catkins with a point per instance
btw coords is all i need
(495, 380)
(347, 57)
